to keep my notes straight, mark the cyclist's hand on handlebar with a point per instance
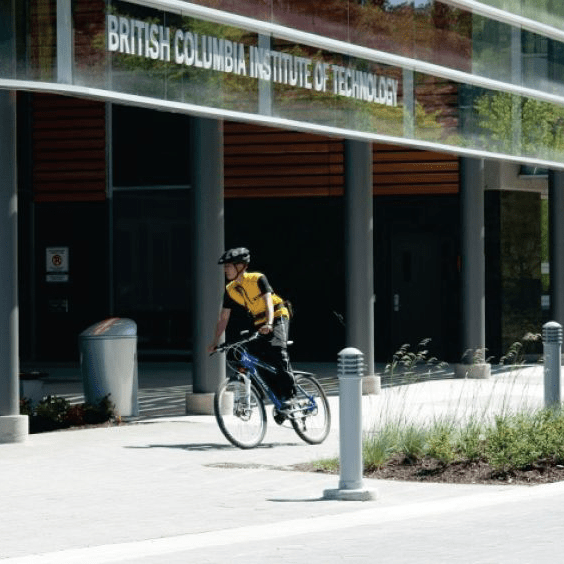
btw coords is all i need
(265, 329)
(212, 348)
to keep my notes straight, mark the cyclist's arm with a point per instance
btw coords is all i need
(220, 328)
(267, 327)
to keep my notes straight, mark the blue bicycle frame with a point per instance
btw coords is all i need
(250, 363)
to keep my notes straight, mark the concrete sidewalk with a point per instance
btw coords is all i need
(172, 489)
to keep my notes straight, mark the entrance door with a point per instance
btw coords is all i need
(152, 280)
(417, 292)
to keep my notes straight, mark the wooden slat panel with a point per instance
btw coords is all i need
(290, 181)
(403, 168)
(404, 171)
(422, 189)
(407, 156)
(47, 158)
(69, 134)
(68, 176)
(268, 162)
(414, 179)
(69, 149)
(276, 146)
(284, 193)
(70, 166)
(275, 171)
(281, 159)
(65, 145)
(70, 197)
(68, 124)
(74, 186)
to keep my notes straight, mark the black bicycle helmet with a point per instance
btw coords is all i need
(235, 256)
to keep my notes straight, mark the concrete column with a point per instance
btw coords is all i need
(408, 103)
(64, 41)
(264, 86)
(359, 274)
(473, 270)
(556, 243)
(13, 426)
(208, 279)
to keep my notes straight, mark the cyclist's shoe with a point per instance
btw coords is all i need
(279, 418)
(288, 406)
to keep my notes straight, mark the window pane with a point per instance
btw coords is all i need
(443, 35)
(329, 18)
(150, 148)
(386, 25)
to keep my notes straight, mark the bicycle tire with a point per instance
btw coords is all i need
(243, 426)
(312, 424)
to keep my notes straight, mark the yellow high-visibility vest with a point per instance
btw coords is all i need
(247, 293)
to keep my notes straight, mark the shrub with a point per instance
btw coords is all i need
(470, 443)
(440, 442)
(57, 413)
(378, 448)
(50, 413)
(511, 443)
(412, 443)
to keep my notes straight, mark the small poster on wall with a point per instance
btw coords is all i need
(57, 264)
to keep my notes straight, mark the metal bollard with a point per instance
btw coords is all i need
(351, 369)
(552, 346)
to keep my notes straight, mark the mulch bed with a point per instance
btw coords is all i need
(479, 472)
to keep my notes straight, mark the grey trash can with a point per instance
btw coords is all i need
(108, 362)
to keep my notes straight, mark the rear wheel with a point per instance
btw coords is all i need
(312, 419)
(241, 419)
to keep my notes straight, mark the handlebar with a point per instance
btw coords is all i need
(223, 347)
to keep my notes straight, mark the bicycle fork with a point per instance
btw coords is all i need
(245, 399)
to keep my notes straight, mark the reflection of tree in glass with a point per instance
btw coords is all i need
(541, 125)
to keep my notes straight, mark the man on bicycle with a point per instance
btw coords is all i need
(252, 292)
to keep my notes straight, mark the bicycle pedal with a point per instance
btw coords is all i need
(279, 418)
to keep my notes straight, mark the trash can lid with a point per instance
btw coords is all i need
(111, 328)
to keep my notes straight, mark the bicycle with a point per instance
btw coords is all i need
(239, 403)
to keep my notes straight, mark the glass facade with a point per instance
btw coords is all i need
(422, 71)
(550, 12)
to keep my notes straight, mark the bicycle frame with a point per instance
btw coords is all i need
(250, 374)
(247, 370)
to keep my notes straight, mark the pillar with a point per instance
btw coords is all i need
(13, 426)
(473, 270)
(359, 263)
(64, 41)
(556, 243)
(208, 242)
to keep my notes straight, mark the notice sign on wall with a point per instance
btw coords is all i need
(57, 264)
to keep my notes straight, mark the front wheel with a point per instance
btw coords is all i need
(312, 419)
(241, 418)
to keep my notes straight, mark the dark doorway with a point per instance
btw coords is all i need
(416, 291)
(152, 266)
(417, 278)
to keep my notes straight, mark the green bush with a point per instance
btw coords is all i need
(510, 442)
(54, 413)
(440, 443)
(378, 448)
(412, 441)
(470, 444)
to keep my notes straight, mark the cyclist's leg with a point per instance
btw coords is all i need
(261, 349)
(280, 359)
